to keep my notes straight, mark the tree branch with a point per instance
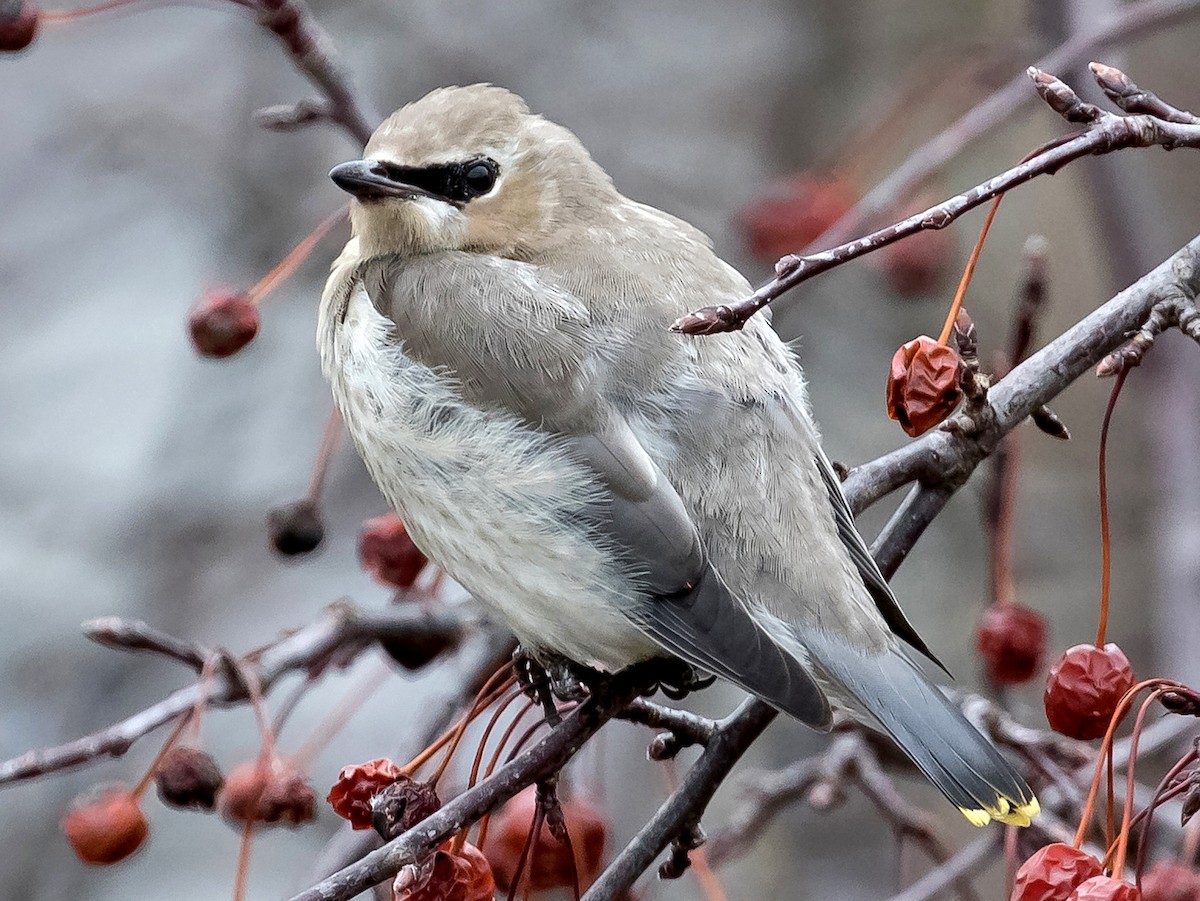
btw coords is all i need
(1104, 133)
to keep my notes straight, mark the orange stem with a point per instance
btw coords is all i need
(339, 715)
(1106, 748)
(297, 255)
(441, 741)
(243, 865)
(956, 305)
(481, 837)
(162, 752)
(1123, 841)
(329, 443)
(482, 700)
(1105, 541)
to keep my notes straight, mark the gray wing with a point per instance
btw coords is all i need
(690, 610)
(877, 586)
(521, 343)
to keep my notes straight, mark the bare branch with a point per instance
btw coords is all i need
(134, 635)
(341, 630)
(1106, 132)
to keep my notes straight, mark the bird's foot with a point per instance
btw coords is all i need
(548, 676)
(677, 679)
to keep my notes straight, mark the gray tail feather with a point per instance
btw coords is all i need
(932, 731)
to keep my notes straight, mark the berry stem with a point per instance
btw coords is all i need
(297, 255)
(162, 752)
(243, 864)
(486, 695)
(1105, 540)
(1147, 815)
(341, 714)
(527, 852)
(1118, 868)
(481, 836)
(62, 16)
(1106, 749)
(329, 442)
(969, 271)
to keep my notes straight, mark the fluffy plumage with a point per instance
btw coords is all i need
(616, 491)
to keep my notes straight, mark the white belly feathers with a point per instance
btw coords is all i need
(473, 485)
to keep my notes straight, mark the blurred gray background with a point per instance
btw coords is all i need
(135, 477)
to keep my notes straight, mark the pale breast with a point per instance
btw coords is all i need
(492, 500)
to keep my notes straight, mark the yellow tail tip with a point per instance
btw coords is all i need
(1005, 811)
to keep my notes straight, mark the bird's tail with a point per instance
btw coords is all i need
(932, 731)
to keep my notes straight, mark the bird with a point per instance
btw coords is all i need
(496, 334)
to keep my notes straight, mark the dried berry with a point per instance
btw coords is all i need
(918, 264)
(1051, 873)
(797, 211)
(1169, 881)
(273, 794)
(105, 825)
(19, 23)
(188, 777)
(1105, 888)
(356, 785)
(454, 876)
(414, 651)
(222, 322)
(295, 528)
(1012, 640)
(922, 386)
(552, 866)
(386, 551)
(1084, 688)
(398, 807)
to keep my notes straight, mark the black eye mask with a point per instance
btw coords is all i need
(457, 182)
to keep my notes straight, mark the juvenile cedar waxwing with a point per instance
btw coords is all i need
(497, 336)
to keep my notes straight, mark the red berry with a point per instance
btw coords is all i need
(795, 213)
(356, 785)
(922, 386)
(386, 551)
(19, 23)
(1051, 873)
(188, 777)
(105, 825)
(275, 793)
(1012, 640)
(917, 264)
(222, 322)
(1105, 888)
(1084, 688)
(1168, 881)
(296, 528)
(552, 865)
(462, 876)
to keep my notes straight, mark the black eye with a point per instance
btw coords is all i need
(478, 178)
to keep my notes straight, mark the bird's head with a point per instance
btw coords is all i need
(470, 168)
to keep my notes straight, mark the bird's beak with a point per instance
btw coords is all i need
(369, 180)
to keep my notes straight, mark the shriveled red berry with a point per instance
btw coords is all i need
(414, 651)
(462, 876)
(1052, 872)
(386, 551)
(188, 777)
(1012, 641)
(222, 322)
(1170, 881)
(105, 825)
(272, 794)
(19, 24)
(918, 264)
(400, 806)
(553, 865)
(296, 528)
(922, 385)
(796, 212)
(356, 785)
(1084, 688)
(1105, 888)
